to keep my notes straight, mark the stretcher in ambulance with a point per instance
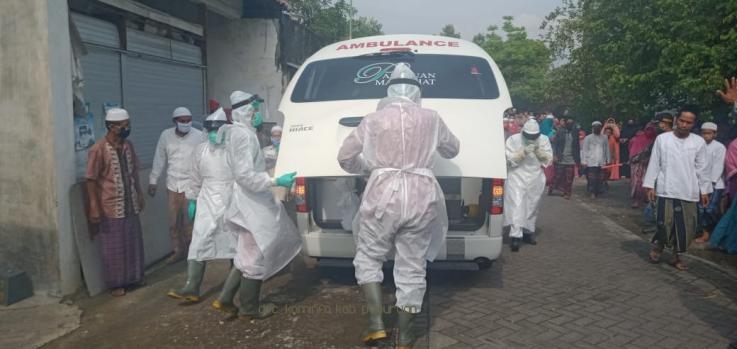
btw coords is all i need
(343, 82)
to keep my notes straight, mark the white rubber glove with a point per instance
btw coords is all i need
(542, 155)
(516, 158)
(530, 148)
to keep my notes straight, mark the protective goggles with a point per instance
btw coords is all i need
(255, 100)
(212, 125)
(531, 136)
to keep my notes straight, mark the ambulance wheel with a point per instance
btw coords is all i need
(483, 263)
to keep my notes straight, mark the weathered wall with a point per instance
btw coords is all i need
(241, 55)
(36, 143)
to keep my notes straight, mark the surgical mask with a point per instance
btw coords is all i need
(212, 136)
(184, 127)
(125, 132)
(275, 141)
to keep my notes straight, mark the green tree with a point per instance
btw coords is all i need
(450, 31)
(635, 57)
(366, 26)
(330, 19)
(524, 62)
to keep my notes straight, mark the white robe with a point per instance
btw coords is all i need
(595, 151)
(715, 153)
(680, 168)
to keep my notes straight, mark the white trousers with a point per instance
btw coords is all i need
(374, 243)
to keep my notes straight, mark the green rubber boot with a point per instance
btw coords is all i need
(225, 303)
(406, 321)
(191, 290)
(375, 308)
(251, 308)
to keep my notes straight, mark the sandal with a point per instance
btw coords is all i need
(655, 256)
(678, 264)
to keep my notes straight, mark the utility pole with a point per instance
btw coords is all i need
(350, 22)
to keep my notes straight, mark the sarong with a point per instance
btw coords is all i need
(676, 222)
(595, 177)
(122, 251)
(709, 215)
(564, 175)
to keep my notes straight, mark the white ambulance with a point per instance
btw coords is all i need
(341, 83)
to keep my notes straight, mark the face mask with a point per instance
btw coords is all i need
(125, 132)
(275, 141)
(184, 127)
(257, 119)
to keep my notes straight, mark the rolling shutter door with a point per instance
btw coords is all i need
(100, 66)
(152, 91)
(150, 79)
(154, 87)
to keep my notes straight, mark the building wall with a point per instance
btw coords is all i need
(241, 55)
(36, 144)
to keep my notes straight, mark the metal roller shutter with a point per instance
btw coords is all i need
(100, 67)
(154, 87)
(150, 79)
(152, 91)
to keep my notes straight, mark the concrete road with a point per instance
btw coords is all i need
(587, 284)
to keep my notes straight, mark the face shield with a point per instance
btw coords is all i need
(246, 108)
(213, 124)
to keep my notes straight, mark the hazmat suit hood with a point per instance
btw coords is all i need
(531, 130)
(245, 106)
(403, 87)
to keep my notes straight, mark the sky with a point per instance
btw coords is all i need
(469, 17)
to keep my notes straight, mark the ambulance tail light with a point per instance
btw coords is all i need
(497, 197)
(300, 195)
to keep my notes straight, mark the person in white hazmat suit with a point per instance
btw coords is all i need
(403, 208)
(267, 238)
(209, 190)
(527, 153)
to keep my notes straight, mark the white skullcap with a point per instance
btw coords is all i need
(181, 111)
(531, 127)
(116, 114)
(596, 123)
(276, 128)
(550, 116)
(709, 126)
(239, 96)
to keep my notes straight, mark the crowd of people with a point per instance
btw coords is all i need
(678, 168)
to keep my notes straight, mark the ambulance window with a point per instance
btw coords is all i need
(441, 76)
